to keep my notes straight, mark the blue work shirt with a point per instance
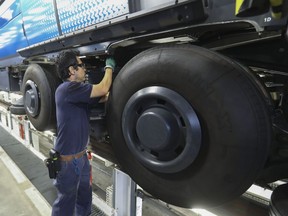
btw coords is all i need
(72, 112)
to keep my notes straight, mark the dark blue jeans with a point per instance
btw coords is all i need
(74, 192)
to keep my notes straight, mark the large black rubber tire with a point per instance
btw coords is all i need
(46, 83)
(235, 124)
(279, 201)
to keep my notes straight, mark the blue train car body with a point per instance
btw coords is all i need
(24, 23)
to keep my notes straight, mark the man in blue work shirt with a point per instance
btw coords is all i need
(72, 100)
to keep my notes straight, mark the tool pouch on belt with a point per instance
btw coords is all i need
(53, 163)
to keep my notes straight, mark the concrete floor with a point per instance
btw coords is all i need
(18, 195)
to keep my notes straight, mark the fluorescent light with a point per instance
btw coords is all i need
(202, 212)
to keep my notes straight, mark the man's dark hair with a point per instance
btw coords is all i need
(66, 59)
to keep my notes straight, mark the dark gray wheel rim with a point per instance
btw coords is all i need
(31, 98)
(161, 129)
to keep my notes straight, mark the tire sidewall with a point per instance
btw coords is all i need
(213, 88)
(46, 117)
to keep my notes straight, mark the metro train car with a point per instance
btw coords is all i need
(198, 109)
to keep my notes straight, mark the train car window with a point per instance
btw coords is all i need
(8, 10)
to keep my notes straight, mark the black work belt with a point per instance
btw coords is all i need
(71, 157)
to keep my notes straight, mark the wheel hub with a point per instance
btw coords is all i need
(31, 98)
(157, 129)
(161, 129)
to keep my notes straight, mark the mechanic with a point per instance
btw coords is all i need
(74, 191)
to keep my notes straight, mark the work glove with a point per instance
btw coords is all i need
(110, 63)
